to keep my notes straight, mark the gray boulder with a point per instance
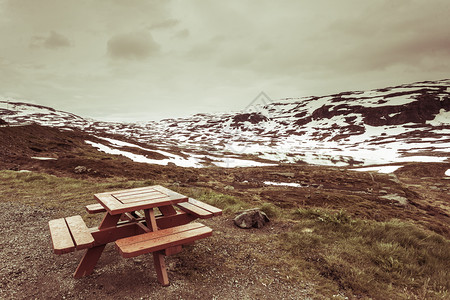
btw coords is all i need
(251, 218)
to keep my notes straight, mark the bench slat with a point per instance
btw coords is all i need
(195, 210)
(95, 208)
(61, 238)
(199, 209)
(214, 210)
(162, 239)
(80, 233)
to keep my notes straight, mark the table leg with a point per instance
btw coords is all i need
(150, 219)
(109, 221)
(160, 267)
(167, 210)
(88, 262)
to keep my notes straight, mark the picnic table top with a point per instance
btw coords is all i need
(117, 202)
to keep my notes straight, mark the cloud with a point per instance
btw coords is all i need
(53, 41)
(135, 45)
(169, 23)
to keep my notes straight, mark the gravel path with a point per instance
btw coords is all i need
(220, 267)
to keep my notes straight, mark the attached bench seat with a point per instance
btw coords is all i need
(162, 239)
(95, 208)
(69, 234)
(199, 209)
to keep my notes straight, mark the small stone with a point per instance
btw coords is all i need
(228, 188)
(80, 170)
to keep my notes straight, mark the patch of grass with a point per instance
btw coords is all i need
(377, 259)
(329, 217)
(228, 203)
(66, 195)
(271, 210)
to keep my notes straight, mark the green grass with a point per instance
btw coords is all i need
(229, 204)
(271, 210)
(65, 196)
(338, 253)
(378, 259)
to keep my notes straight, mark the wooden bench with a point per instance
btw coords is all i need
(162, 239)
(95, 208)
(69, 234)
(199, 209)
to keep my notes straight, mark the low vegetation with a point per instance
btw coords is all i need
(390, 259)
(337, 252)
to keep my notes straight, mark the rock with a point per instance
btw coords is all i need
(171, 164)
(229, 188)
(251, 218)
(394, 197)
(81, 170)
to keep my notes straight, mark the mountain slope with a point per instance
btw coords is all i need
(398, 124)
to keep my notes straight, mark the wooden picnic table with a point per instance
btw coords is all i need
(144, 220)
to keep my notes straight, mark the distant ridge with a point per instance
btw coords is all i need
(409, 122)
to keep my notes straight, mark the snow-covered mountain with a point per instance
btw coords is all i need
(398, 124)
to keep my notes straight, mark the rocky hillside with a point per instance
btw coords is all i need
(398, 124)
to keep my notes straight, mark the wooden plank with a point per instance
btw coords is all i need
(142, 228)
(144, 197)
(61, 238)
(214, 210)
(132, 191)
(173, 250)
(180, 218)
(108, 202)
(144, 205)
(88, 262)
(195, 210)
(160, 267)
(165, 232)
(80, 234)
(150, 219)
(167, 210)
(136, 194)
(170, 193)
(95, 208)
(109, 221)
(162, 239)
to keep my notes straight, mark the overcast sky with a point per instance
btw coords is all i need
(146, 60)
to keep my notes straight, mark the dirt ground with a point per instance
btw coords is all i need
(225, 266)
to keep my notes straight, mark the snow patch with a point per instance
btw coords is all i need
(443, 117)
(382, 169)
(293, 184)
(43, 158)
(234, 162)
(177, 160)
